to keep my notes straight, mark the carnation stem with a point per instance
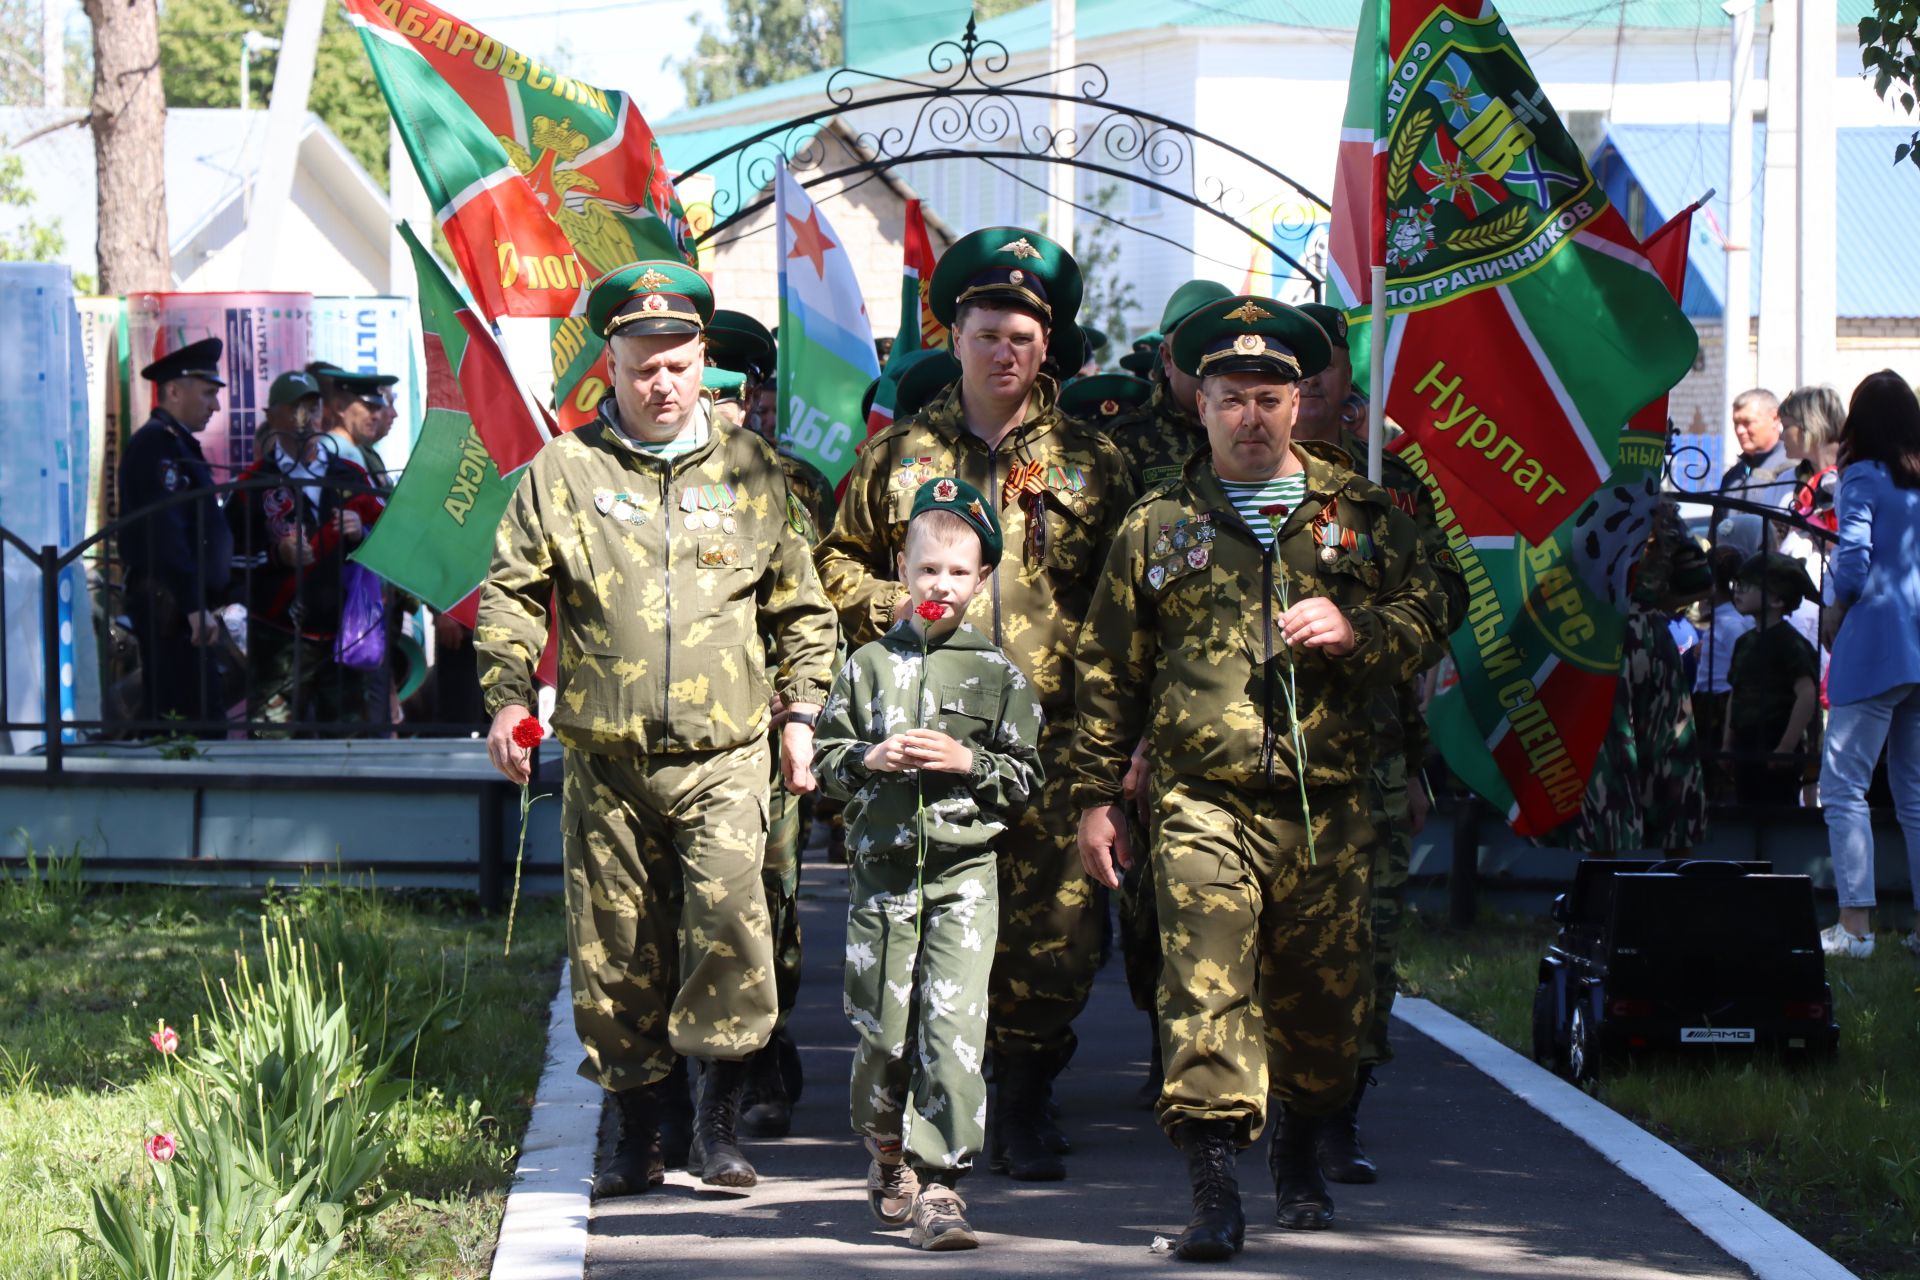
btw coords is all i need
(1299, 739)
(527, 801)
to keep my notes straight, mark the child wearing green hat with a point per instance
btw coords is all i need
(930, 736)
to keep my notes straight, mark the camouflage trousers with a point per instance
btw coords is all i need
(1392, 855)
(787, 822)
(1140, 919)
(1050, 925)
(296, 678)
(1268, 979)
(667, 924)
(916, 991)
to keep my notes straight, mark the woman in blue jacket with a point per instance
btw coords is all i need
(1873, 683)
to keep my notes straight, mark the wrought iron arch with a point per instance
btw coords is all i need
(968, 98)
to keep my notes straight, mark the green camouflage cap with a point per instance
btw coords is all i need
(736, 341)
(1251, 335)
(950, 493)
(1780, 574)
(1189, 298)
(657, 296)
(1104, 395)
(1331, 319)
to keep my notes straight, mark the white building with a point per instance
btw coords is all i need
(1270, 79)
(333, 241)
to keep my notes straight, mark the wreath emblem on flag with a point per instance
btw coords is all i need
(1409, 235)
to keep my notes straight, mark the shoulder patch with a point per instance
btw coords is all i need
(1445, 558)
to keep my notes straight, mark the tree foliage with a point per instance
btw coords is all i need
(1108, 298)
(200, 63)
(31, 240)
(1890, 50)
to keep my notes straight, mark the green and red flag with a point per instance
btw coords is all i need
(918, 329)
(1529, 699)
(435, 539)
(542, 183)
(1525, 327)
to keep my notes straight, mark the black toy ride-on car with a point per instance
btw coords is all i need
(1685, 955)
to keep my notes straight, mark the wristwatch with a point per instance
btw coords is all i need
(807, 718)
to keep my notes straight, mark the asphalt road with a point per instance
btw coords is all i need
(1474, 1182)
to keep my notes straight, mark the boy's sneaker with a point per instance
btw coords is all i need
(891, 1185)
(938, 1219)
(1912, 942)
(1836, 941)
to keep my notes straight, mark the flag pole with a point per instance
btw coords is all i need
(1377, 262)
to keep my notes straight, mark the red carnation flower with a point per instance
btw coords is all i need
(527, 733)
(1274, 509)
(931, 610)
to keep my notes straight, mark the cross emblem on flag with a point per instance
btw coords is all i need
(1533, 180)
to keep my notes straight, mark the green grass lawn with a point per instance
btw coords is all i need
(85, 976)
(1834, 1152)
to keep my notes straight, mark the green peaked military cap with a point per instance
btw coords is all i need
(925, 375)
(363, 383)
(1189, 298)
(657, 296)
(1251, 335)
(1010, 267)
(1096, 340)
(1332, 320)
(1104, 395)
(736, 341)
(726, 384)
(1145, 354)
(950, 493)
(195, 360)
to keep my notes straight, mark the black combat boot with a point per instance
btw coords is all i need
(1218, 1227)
(1018, 1097)
(1342, 1158)
(635, 1166)
(767, 1110)
(1156, 1069)
(1047, 1069)
(1300, 1198)
(675, 1095)
(716, 1154)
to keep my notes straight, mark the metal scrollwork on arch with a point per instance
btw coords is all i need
(969, 107)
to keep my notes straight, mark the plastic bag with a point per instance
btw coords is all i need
(362, 640)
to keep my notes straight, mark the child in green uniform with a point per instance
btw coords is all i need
(1773, 682)
(930, 737)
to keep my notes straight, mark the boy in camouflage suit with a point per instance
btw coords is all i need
(930, 735)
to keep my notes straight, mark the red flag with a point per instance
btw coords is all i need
(1666, 249)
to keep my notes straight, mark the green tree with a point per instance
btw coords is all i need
(200, 64)
(1890, 50)
(32, 240)
(761, 42)
(1108, 297)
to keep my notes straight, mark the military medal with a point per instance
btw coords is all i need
(622, 511)
(693, 521)
(710, 518)
(1197, 557)
(1163, 544)
(603, 500)
(1329, 554)
(1156, 576)
(728, 525)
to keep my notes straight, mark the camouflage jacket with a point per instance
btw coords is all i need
(1403, 726)
(962, 686)
(1156, 439)
(1183, 642)
(1062, 489)
(814, 491)
(665, 577)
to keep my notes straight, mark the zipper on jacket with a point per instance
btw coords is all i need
(666, 544)
(1266, 621)
(993, 496)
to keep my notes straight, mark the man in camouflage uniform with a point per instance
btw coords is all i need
(1245, 620)
(662, 539)
(1400, 800)
(1008, 296)
(1156, 439)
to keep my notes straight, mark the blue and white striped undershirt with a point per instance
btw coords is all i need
(1248, 499)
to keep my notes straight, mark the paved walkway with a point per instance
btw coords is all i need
(1476, 1183)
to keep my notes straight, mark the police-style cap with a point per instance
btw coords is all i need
(1145, 354)
(1008, 267)
(949, 493)
(1330, 319)
(1251, 335)
(1104, 395)
(292, 388)
(657, 296)
(195, 360)
(1189, 298)
(736, 341)
(1782, 575)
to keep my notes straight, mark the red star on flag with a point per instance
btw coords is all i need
(810, 242)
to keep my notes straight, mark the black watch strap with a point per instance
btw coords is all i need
(807, 718)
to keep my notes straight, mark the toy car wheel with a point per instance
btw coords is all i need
(1583, 1048)
(1546, 1044)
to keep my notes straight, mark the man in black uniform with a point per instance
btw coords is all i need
(177, 558)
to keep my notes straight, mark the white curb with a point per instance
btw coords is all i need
(544, 1233)
(1754, 1237)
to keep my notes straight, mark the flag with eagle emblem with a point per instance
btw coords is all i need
(542, 183)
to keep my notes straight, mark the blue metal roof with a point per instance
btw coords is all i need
(1673, 165)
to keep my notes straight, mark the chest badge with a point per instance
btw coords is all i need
(627, 508)
(1156, 575)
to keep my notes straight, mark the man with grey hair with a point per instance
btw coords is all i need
(1763, 473)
